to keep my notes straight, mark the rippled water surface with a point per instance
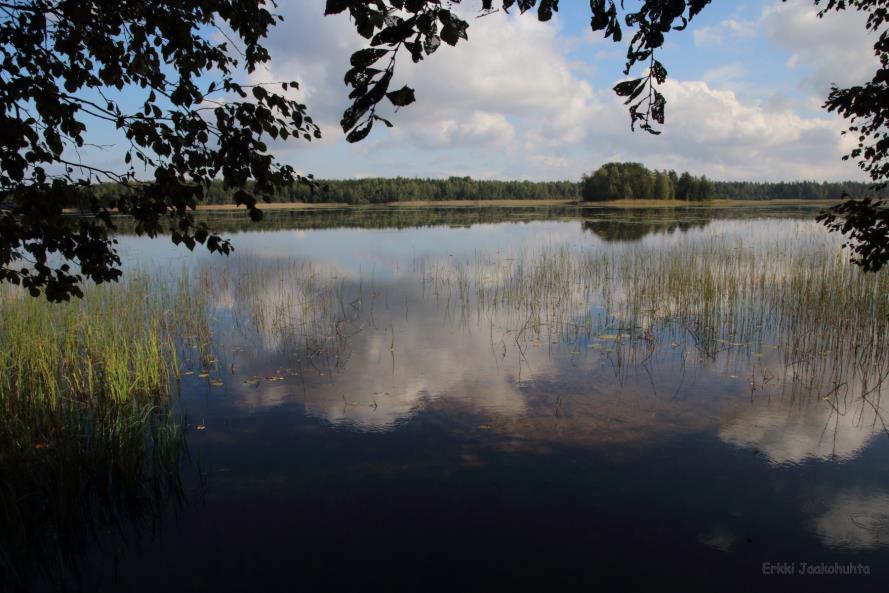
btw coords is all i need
(468, 401)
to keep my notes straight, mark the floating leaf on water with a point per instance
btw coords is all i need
(188, 372)
(216, 382)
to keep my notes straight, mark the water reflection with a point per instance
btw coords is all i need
(566, 343)
(406, 217)
(631, 225)
(530, 395)
(855, 520)
(788, 432)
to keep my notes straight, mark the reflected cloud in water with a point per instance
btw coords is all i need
(664, 386)
(855, 520)
(373, 350)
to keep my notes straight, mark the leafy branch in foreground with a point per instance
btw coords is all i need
(67, 67)
(419, 27)
(865, 222)
(155, 73)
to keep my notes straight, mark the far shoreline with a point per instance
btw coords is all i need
(513, 203)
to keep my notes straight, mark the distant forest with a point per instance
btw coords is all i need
(634, 181)
(610, 182)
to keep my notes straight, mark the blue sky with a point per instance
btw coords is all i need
(529, 100)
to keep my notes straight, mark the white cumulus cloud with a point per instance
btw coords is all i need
(516, 102)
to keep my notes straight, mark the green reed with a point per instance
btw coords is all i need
(89, 434)
(792, 291)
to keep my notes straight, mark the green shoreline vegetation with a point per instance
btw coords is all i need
(612, 181)
(90, 437)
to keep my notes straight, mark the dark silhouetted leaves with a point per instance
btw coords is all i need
(336, 6)
(365, 57)
(658, 105)
(420, 26)
(161, 50)
(361, 132)
(630, 88)
(402, 97)
(157, 51)
(659, 72)
(865, 222)
(866, 226)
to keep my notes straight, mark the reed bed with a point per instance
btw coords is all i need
(788, 291)
(89, 432)
(799, 291)
(708, 297)
(795, 291)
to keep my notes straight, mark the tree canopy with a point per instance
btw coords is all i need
(634, 181)
(865, 221)
(382, 190)
(64, 66)
(69, 66)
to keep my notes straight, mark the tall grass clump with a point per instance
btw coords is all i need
(89, 435)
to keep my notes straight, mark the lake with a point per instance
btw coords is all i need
(549, 399)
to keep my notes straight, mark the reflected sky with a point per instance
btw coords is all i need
(356, 372)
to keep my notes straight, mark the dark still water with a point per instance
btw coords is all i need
(472, 401)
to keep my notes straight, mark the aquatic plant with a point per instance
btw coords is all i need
(90, 436)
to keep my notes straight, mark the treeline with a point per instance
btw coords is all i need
(792, 190)
(378, 190)
(634, 181)
(613, 181)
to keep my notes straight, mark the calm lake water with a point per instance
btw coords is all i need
(542, 400)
